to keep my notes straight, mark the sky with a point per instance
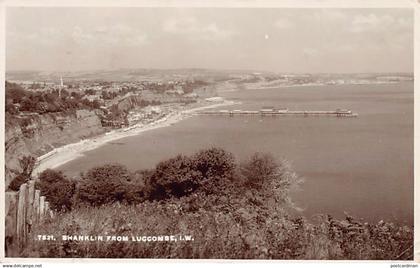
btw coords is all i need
(267, 39)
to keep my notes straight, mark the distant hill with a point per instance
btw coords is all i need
(177, 74)
(123, 75)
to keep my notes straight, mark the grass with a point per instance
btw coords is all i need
(219, 230)
(242, 212)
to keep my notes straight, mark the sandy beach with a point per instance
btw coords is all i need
(66, 153)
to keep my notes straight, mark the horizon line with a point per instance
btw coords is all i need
(203, 69)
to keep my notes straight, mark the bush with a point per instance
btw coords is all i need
(11, 109)
(270, 178)
(173, 177)
(260, 168)
(216, 167)
(241, 222)
(27, 164)
(18, 181)
(15, 92)
(226, 232)
(107, 184)
(57, 189)
(208, 171)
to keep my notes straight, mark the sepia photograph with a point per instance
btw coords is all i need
(209, 132)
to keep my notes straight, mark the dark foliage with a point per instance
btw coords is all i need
(231, 213)
(191, 85)
(216, 167)
(14, 92)
(173, 177)
(27, 164)
(57, 189)
(222, 227)
(259, 169)
(208, 171)
(107, 184)
(21, 100)
(18, 181)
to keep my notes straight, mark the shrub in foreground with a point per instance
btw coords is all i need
(216, 167)
(248, 219)
(174, 177)
(57, 189)
(207, 171)
(215, 163)
(18, 181)
(27, 164)
(106, 184)
(236, 230)
(270, 179)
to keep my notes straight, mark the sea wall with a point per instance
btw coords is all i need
(38, 134)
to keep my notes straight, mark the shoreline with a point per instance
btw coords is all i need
(66, 153)
(268, 86)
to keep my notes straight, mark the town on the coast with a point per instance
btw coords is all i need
(67, 111)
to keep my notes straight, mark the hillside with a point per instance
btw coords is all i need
(202, 206)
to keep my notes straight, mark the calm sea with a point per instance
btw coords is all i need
(362, 166)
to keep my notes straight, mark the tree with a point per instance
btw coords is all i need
(11, 109)
(105, 184)
(90, 92)
(95, 104)
(173, 178)
(15, 92)
(75, 95)
(207, 171)
(17, 182)
(216, 167)
(28, 105)
(27, 164)
(64, 93)
(270, 177)
(42, 107)
(259, 169)
(51, 97)
(57, 189)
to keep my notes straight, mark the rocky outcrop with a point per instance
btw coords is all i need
(38, 134)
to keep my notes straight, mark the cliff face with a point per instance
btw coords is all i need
(38, 134)
(129, 103)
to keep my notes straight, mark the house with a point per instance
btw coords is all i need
(91, 97)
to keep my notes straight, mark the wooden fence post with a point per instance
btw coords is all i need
(23, 209)
(47, 209)
(21, 216)
(30, 203)
(11, 203)
(41, 208)
(35, 210)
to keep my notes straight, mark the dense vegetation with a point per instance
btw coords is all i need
(208, 171)
(57, 189)
(27, 164)
(188, 87)
(21, 100)
(230, 209)
(53, 100)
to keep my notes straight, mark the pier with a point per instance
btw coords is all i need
(280, 112)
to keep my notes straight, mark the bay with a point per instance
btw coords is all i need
(363, 166)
